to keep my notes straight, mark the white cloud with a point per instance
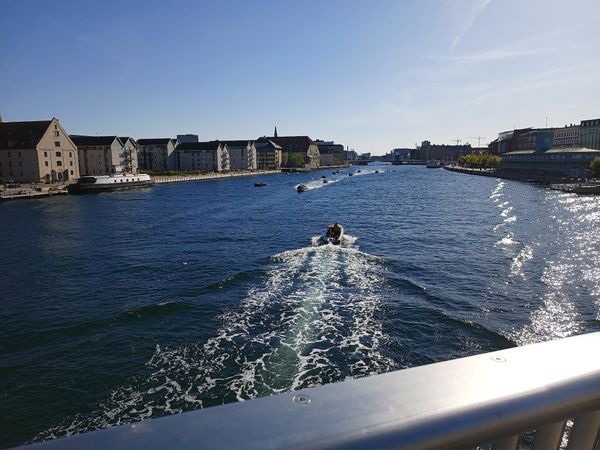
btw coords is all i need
(469, 23)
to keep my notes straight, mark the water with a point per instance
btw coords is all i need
(122, 306)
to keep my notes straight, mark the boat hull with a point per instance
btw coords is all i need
(91, 188)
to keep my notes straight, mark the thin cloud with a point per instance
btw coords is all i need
(476, 13)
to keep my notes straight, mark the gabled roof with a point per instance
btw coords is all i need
(154, 141)
(264, 144)
(83, 141)
(237, 143)
(293, 143)
(22, 135)
(209, 145)
(124, 139)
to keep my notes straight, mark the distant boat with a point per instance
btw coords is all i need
(325, 180)
(260, 184)
(350, 174)
(323, 176)
(377, 171)
(302, 188)
(433, 164)
(101, 183)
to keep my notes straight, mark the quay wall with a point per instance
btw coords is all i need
(208, 176)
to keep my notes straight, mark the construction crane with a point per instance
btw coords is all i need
(479, 138)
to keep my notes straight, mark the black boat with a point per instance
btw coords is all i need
(334, 234)
(260, 184)
(302, 188)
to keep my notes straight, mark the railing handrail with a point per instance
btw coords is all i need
(451, 404)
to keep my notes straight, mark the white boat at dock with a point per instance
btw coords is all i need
(100, 183)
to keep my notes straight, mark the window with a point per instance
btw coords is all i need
(57, 143)
(71, 172)
(70, 163)
(46, 163)
(45, 154)
(58, 154)
(70, 154)
(59, 163)
(21, 173)
(20, 164)
(56, 133)
(19, 154)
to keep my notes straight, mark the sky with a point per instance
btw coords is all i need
(373, 75)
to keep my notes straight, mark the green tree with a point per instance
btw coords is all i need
(284, 158)
(595, 167)
(295, 160)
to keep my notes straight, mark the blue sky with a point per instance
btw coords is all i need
(369, 74)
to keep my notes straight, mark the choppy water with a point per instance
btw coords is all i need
(122, 306)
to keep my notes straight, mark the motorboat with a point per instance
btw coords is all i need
(100, 183)
(323, 176)
(358, 171)
(334, 234)
(302, 188)
(325, 180)
(350, 174)
(260, 184)
(377, 171)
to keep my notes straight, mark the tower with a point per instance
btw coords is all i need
(275, 135)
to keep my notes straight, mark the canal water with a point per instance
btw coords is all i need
(118, 307)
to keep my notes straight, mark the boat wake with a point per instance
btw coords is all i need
(313, 318)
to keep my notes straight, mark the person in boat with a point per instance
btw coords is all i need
(333, 230)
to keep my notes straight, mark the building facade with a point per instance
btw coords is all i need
(242, 154)
(130, 154)
(212, 156)
(331, 154)
(299, 151)
(100, 155)
(269, 155)
(157, 154)
(448, 153)
(589, 134)
(37, 151)
(567, 136)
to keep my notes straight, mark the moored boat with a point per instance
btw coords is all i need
(260, 184)
(103, 183)
(433, 164)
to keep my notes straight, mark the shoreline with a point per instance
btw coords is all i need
(164, 179)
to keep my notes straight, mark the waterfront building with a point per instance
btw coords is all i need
(545, 161)
(211, 156)
(447, 153)
(269, 155)
(157, 154)
(350, 155)
(242, 154)
(567, 136)
(130, 154)
(100, 155)
(187, 138)
(401, 154)
(331, 154)
(589, 133)
(37, 151)
(300, 151)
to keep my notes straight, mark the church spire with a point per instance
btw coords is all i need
(275, 135)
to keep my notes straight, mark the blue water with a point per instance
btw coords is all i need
(122, 306)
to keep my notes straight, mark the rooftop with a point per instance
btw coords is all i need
(22, 135)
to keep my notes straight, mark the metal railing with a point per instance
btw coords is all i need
(550, 391)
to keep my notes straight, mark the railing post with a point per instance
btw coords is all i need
(548, 436)
(509, 443)
(585, 431)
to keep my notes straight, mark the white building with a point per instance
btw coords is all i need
(212, 156)
(242, 154)
(100, 155)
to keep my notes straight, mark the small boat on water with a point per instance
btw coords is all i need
(103, 183)
(350, 174)
(325, 180)
(358, 171)
(377, 171)
(433, 164)
(260, 184)
(333, 235)
(323, 176)
(302, 188)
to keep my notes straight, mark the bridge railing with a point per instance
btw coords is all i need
(538, 396)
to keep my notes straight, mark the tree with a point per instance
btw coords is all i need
(595, 167)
